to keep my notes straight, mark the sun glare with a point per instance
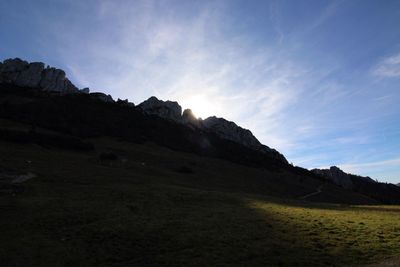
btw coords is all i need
(201, 106)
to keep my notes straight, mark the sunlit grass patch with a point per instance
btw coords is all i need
(350, 235)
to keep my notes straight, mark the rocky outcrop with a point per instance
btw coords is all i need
(169, 110)
(35, 75)
(339, 177)
(54, 80)
(336, 175)
(125, 103)
(383, 192)
(189, 119)
(102, 97)
(229, 130)
(85, 90)
(223, 128)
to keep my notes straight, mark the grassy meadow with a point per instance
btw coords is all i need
(155, 207)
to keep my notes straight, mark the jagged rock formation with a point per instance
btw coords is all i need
(383, 192)
(219, 126)
(125, 103)
(85, 90)
(189, 119)
(339, 177)
(336, 175)
(169, 110)
(229, 130)
(102, 97)
(35, 75)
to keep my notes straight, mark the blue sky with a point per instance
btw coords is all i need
(317, 80)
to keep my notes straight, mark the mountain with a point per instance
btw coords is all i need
(387, 193)
(45, 99)
(35, 75)
(339, 177)
(225, 129)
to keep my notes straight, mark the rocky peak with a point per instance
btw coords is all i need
(35, 75)
(336, 175)
(189, 118)
(339, 177)
(223, 128)
(125, 103)
(102, 97)
(170, 110)
(229, 130)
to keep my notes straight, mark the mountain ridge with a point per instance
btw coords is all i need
(356, 183)
(88, 115)
(34, 75)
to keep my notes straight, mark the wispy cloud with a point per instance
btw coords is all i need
(327, 13)
(391, 162)
(388, 67)
(185, 59)
(384, 169)
(274, 16)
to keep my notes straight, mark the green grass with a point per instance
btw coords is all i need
(139, 211)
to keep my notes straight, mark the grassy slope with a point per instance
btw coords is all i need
(139, 211)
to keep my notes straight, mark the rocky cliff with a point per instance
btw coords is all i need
(36, 75)
(223, 128)
(383, 192)
(336, 175)
(169, 110)
(339, 177)
(229, 130)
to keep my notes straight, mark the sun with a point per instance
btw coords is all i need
(201, 105)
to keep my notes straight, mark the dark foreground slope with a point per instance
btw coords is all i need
(127, 204)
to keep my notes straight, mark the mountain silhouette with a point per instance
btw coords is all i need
(44, 98)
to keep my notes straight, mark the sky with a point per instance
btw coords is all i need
(317, 80)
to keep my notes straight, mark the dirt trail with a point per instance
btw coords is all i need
(22, 178)
(13, 178)
(319, 190)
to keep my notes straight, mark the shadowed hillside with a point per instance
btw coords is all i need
(127, 204)
(87, 116)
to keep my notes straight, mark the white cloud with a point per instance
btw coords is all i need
(388, 67)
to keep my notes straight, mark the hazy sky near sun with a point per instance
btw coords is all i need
(317, 80)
